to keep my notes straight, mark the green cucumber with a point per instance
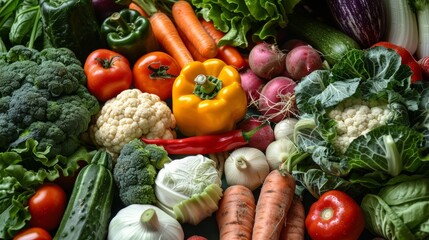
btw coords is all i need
(89, 208)
(331, 42)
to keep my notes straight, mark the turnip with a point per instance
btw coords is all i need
(263, 137)
(277, 99)
(266, 60)
(301, 61)
(251, 84)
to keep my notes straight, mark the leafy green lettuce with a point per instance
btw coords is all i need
(22, 170)
(239, 19)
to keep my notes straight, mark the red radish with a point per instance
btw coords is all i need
(263, 137)
(251, 84)
(301, 61)
(267, 60)
(424, 65)
(277, 99)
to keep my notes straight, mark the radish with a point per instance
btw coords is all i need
(267, 60)
(301, 61)
(251, 84)
(277, 99)
(263, 137)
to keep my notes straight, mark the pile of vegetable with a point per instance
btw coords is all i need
(187, 119)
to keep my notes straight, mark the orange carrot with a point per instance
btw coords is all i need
(136, 7)
(187, 21)
(194, 52)
(229, 54)
(274, 202)
(236, 213)
(166, 33)
(294, 228)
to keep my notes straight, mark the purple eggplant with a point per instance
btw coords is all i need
(363, 20)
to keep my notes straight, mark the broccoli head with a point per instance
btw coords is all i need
(44, 97)
(135, 172)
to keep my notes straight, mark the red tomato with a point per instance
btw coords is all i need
(155, 73)
(47, 206)
(108, 74)
(335, 215)
(34, 233)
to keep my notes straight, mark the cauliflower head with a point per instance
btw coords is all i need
(131, 114)
(356, 118)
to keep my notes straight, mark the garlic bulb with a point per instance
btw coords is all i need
(246, 166)
(142, 222)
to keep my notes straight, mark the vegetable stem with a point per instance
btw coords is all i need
(123, 26)
(149, 220)
(241, 163)
(206, 85)
(392, 155)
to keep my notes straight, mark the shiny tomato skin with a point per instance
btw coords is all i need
(155, 73)
(47, 206)
(335, 215)
(33, 233)
(108, 74)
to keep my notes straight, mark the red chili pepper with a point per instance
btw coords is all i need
(407, 59)
(206, 144)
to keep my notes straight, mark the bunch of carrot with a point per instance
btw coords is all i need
(277, 214)
(186, 37)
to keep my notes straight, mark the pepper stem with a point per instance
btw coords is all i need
(122, 24)
(207, 87)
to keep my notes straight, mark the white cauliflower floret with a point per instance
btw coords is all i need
(356, 119)
(131, 114)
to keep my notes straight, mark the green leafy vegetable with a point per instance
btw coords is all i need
(400, 210)
(356, 124)
(239, 19)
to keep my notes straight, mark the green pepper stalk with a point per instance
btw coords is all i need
(129, 33)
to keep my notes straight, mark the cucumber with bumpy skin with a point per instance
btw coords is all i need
(89, 208)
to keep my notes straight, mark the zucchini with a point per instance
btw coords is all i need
(331, 42)
(363, 20)
(89, 208)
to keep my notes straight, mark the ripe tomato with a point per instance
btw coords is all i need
(108, 74)
(47, 206)
(155, 73)
(33, 233)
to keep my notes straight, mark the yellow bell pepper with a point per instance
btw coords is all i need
(207, 98)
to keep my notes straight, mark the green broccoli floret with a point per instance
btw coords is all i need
(135, 172)
(44, 97)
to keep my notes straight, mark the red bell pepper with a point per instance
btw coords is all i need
(407, 59)
(335, 215)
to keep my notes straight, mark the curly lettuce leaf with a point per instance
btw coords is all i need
(239, 19)
(22, 170)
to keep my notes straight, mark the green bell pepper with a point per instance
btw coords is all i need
(129, 33)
